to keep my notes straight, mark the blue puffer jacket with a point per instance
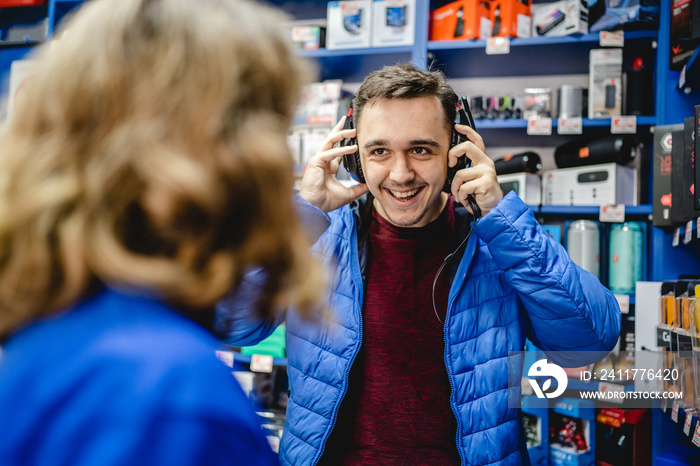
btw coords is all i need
(512, 281)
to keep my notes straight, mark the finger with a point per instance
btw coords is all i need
(331, 154)
(466, 189)
(337, 134)
(472, 135)
(467, 175)
(357, 190)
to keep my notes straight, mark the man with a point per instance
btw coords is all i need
(413, 366)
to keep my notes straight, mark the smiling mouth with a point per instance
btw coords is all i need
(404, 195)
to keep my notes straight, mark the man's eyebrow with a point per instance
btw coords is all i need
(375, 142)
(414, 142)
(424, 142)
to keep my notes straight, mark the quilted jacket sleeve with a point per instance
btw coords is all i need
(571, 315)
(236, 320)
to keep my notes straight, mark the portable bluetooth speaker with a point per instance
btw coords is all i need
(528, 162)
(625, 265)
(620, 149)
(583, 245)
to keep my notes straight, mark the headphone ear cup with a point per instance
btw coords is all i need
(457, 138)
(351, 162)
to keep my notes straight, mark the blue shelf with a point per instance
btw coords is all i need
(500, 123)
(594, 386)
(245, 359)
(325, 53)
(685, 442)
(644, 209)
(535, 41)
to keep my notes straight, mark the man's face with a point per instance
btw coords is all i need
(403, 146)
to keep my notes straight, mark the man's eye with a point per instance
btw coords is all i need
(378, 152)
(421, 151)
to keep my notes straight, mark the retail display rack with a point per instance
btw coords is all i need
(528, 60)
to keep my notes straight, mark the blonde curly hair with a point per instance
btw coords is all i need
(150, 152)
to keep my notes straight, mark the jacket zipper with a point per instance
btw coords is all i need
(358, 310)
(448, 366)
(452, 384)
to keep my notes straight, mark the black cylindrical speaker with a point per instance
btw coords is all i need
(528, 162)
(620, 149)
(639, 92)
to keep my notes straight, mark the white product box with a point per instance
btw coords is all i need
(525, 185)
(604, 184)
(349, 25)
(560, 18)
(21, 72)
(605, 86)
(394, 22)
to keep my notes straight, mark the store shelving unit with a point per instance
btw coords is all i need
(528, 57)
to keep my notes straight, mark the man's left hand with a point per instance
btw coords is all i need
(480, 178)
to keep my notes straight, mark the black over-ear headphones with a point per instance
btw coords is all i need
(354, 167)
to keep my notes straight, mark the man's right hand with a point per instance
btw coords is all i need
(320, 186)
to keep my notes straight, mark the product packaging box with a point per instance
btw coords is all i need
(349, 25)
(689, 209)
(21, 74)
(572, 433)
(535, 421)
(11, 3)
(560, 18)
(394, 22)
(678, 176)
(663, 169)
(682, 41)
(696, 126)
(309, 37)
(463, 19)
(526, 185)
(603, 184)
(510, 18)
(606, 15)
(605, 83)
(623, 436)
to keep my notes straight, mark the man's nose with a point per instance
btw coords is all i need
(402, 171)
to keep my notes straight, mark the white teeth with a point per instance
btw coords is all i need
(404, 195)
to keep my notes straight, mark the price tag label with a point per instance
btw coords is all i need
(688, 423)
(697, 229)
(623, 125)
(614, 213)
(226, 357)
(674, 411)
(573, 125)
(497, 46)
(688, 232)
(612, 38)
(604, 387)
(525, 387)
(676, 237)
(624, 301)
(261, 363)
(539, 126)
(696, 435)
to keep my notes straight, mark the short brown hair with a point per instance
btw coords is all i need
(150, 153)
(406, 81)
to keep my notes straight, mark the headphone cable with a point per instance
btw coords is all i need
(452, 255)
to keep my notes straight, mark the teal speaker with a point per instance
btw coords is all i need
(625, 257)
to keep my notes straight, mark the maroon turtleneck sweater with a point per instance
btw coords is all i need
(397, 407)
